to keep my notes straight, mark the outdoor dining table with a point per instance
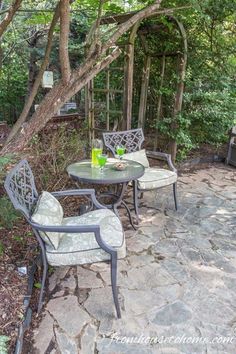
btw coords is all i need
(83, 172)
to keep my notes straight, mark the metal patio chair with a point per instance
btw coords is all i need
(92, 237)
(153, 177)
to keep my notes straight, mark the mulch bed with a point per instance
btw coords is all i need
(19, 249)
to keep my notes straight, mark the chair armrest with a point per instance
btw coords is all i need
(76, 229)
(162, 156)
(75, 192)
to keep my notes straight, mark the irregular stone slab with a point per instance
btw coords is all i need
(100, 266)
(109, 346)
(44, 334)
(170, 293)
(147, 277)
(58, 274)
(178, 270)
(213, 310)
(69, 282)
(66, 344)
(138, 244)
(168, 248)
(88, 279)
(88, 339)
(174, 313)
(137, 302)
(69, 315)
(184, 338)
(100, 303)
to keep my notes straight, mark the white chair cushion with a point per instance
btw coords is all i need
(138, 156)
(82, 248)
(48, 211)
(155, 178)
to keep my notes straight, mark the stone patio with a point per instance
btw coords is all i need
(177, 285)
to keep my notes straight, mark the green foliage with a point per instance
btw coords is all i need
(1, 248)
(8, 214)
(209, 99)
(3, 344)
(58, 149)
(37, 285)
(4, 161)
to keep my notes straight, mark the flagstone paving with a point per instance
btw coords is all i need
(177, 283)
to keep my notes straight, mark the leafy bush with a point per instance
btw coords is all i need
(4, 161)
(8, 214)
(53, 152)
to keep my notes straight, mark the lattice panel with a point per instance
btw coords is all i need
(21, 188)
(132, 140)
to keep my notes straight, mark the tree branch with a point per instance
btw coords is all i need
(9, 16)
(61, 93)
(54, 101)
(64, 38)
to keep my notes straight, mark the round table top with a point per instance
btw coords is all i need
(84, 172)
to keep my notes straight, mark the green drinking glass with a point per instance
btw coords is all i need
(120, 150)
(102, 159)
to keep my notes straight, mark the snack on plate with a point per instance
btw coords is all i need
(120, 166)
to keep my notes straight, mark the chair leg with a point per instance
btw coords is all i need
(175, 195)
(45, 269)
(135, 196)
(114, 283)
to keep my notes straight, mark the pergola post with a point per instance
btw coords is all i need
(144, 92)
(182, 63)
(89, 108)
(159, 100)
(128, 79)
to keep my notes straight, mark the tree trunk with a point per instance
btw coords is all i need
(64, 38)
(32, 62)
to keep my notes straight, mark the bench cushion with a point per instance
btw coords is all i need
(48, 211)
(155, 178)
(138, 156)
(82, 248)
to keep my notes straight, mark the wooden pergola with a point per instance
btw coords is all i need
(128, 49)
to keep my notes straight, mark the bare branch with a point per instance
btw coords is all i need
(64, 38)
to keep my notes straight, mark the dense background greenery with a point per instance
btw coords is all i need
(210, 95)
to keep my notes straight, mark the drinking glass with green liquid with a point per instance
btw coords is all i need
(120, 150)
(97, 146)
(102, 159)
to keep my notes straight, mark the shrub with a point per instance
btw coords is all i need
(8, 214)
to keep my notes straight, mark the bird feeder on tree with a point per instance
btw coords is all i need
(47, 81)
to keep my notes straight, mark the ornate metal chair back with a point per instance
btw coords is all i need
(20, 187)
(131, 139)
